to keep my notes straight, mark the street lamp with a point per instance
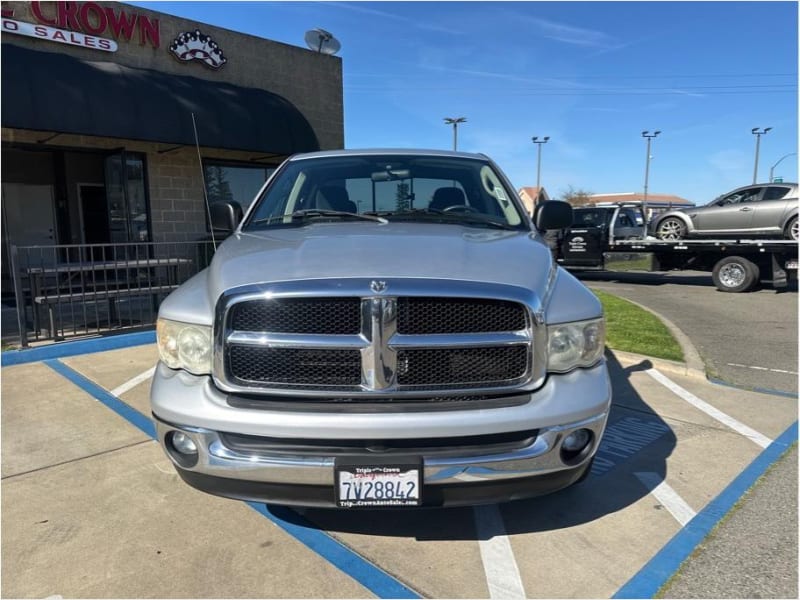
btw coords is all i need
(539, 143)
(454, 121)
(772, 168)
(649, 136)
(755, 131)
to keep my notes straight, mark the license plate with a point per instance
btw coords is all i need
(791, 265)
(374, 483)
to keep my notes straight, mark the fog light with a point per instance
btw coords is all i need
(576, 440)
(576, 446)
(183, 443)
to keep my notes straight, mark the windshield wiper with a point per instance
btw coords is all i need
(312, 213)
(409, 212)
(440, 216)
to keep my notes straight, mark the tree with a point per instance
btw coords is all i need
(576, 197)
(217, 186)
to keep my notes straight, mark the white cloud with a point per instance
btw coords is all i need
(360, 8)
(570, 34)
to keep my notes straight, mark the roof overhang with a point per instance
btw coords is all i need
(55, 92)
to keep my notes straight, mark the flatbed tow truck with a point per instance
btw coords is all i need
(736, 264)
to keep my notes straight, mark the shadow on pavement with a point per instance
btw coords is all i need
(692, 278)
(607, 490)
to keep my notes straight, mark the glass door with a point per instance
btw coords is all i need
(126, 191)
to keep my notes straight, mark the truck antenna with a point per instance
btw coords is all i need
(203, 180)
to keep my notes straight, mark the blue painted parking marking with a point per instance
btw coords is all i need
(130, 414)
(65, 349)
(623, 439)
(650, 579)
(369, 575)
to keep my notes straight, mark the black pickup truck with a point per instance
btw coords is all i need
(593, 229)
(601, 233)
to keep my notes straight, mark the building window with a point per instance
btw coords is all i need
(240, 183)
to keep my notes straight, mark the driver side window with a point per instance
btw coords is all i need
(742, 196)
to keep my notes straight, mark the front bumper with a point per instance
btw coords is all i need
(192, 405)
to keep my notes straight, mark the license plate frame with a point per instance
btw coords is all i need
(386, 482)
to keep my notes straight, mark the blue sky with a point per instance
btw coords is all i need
(591, 75)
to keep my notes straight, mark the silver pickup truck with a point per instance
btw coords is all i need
(382, 329)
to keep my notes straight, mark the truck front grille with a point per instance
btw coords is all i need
(282, 366)
(333, 316)
(458, 315)
(384, 346)
(462, 366)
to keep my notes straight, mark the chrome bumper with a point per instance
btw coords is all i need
(540, 458)
(191, 404)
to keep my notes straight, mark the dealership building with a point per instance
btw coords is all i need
(104, 106)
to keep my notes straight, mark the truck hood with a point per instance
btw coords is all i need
(380, 251)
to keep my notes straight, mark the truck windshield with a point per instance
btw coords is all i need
(392, 187)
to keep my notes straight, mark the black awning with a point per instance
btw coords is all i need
(54, 92)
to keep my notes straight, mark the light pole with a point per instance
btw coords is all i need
(539, 143)
(755, 131)
(454, 121)
(649, 136)
(772, 168)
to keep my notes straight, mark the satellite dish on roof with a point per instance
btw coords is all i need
(322, 41)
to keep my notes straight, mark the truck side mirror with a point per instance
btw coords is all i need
(552, 214)
(225, 216)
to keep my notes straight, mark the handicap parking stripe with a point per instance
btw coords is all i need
(655, 574)
(130, 414)
(711, 411)
(65, 349)
(369, 575)
(623, 439)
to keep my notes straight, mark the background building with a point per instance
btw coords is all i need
(531, 196)
(98, 135)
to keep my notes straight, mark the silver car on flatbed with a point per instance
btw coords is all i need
(763, 210)
(382, 329)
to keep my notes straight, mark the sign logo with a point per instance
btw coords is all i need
(94, 20)
(194, 45)
(378, 286)
(61, 36)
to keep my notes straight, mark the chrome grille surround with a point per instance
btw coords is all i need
(379, 343)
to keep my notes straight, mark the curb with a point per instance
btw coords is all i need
(670, 366)
(694, 365)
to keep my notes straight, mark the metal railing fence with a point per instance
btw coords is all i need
(71, 290)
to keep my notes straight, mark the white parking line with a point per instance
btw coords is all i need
(714, 413)
(129, 385)
(668, 497)
(762, 369)
(499, 564)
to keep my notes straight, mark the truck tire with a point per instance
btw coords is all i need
(735, 274)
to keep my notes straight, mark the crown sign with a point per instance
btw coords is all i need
(194, 45)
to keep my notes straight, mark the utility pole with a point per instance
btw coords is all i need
(758, 133)
(649, 136)
(454, 121)
(539, 143)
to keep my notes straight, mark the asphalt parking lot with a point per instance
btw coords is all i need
(91, 507)
(748, 340)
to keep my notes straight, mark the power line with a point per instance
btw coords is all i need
(655, 92)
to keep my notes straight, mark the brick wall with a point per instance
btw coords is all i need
(175, 189)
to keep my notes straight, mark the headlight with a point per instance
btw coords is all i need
(578, 344)
(184, 346)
